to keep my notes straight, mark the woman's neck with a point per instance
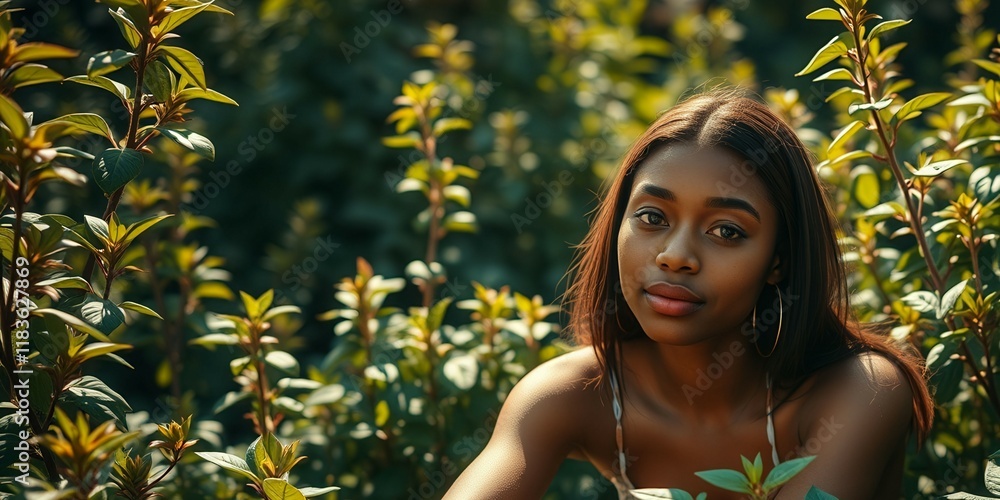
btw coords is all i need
(718, 383)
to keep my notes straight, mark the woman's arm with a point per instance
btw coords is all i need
(857, 426)
(536, 429)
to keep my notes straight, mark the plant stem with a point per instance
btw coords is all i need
(915, 221)
(130, 142)
(368, 337)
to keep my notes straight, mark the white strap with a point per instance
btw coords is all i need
(770, 422)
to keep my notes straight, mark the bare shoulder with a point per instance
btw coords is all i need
(864, 379)
(563, 383)
(855, 421)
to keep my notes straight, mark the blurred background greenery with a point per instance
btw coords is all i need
(302, 184)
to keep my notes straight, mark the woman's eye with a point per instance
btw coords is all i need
(649, 217)
(731, 233)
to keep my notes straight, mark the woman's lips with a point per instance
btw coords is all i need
(672, 300)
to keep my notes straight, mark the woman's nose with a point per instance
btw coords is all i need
(678, 253)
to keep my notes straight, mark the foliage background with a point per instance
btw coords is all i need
(326, 180)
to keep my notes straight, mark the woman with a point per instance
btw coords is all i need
(712, 297)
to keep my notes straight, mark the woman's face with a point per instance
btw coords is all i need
(696, 245)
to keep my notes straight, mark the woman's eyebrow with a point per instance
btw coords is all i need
(734, 203)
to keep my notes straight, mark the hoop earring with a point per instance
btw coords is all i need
(781, 314)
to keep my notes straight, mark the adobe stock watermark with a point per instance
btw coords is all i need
(380, 19)
(723, 361)
(294, 277)
(248, 150)
(466, 448)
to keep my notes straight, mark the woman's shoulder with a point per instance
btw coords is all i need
(544, 407)
(862, 384)
(566, 378)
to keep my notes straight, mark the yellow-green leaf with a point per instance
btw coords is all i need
(35, 51)
(185, 63)
(883, 27)
(31, 74)
(108, 61)
(833, 49)
(914, 106)
(12, 116)
(176, 18)
(866, 186)
(824, 14)
(277, 489)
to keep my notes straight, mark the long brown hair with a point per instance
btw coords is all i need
(820, 329)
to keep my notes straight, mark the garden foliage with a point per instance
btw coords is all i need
(121, 331)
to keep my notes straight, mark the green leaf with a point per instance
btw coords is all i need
(992, 475)
(458, 194)
(31, 74)
(726, 479)
(988, 65)
(103, 82)
(462, 370)
(98, 349)
(824, 14)
(277, 489)
(192, 93)
(99, 228)
(408, 140)
(190, 140)
(139, 308)
(159, 81)
(833, 50)
(280, 310)
(214, 339)
(114, 168)
(912, 108)
(74, 322)
(950, 298)
(66, 282)
(101, 313)
(211, 8)
(255, 455)
(815, 493)
(325, 395)
(90, 393)
(13, 118)
(937, 168)
(129, 31)
(445, 125)
(921, 300)
(108, 61)
(865, 186)
(862, 106)
(460, 222)
(283, 361)
(886, 26)
(88, 122)
(185, 63)
(230, 399)
(436, 315)
(315, 492)
(176, 18)
(381, 413)
(785, 471)
(660, 494)
(228, 462)
(137, 228)
(845, 134)
(835, 74)
(36, 51)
